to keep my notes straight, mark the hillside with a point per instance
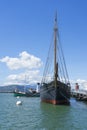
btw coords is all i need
(11, 88)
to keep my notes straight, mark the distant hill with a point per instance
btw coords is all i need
(11, 88)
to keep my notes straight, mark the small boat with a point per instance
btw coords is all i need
(55, 85)
(33, 92)
(19, 93)
(29, 93)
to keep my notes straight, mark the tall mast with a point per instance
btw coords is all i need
(55, 51)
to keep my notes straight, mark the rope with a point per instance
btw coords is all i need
(62, 70)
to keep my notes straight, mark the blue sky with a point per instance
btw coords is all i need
(26, 28)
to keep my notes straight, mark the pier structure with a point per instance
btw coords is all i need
(79, 94)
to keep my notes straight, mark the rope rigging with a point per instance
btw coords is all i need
(62, 71)
(55, 55)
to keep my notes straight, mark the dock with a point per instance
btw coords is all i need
(80, 95)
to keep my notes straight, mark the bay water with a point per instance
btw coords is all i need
(34, 115)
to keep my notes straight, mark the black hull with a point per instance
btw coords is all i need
(55, 95)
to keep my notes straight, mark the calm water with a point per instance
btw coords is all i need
(34, 115)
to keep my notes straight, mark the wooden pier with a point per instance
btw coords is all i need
(80, 95)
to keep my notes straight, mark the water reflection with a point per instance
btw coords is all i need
(64, 117)
(53, 116)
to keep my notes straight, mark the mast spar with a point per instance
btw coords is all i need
(55, 51)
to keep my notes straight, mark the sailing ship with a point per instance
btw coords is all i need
(55, 85)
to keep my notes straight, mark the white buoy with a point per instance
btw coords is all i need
(19, 103)
(17, 96)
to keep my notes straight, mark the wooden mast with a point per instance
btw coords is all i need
(55, 51)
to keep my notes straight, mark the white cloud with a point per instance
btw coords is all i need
(25, 60)
(29, 77)
(29, 65)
